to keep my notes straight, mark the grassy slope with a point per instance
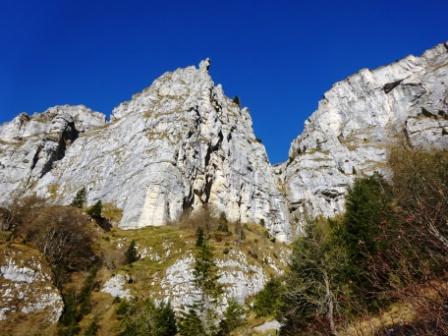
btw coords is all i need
(163, 247)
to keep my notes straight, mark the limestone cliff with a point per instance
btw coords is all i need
(178, 146)
(356, 121)
(181, 145)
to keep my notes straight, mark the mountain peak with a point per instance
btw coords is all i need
(205, 64)
(181, 145)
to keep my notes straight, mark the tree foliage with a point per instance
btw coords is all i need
(190, 324)
(64, 235)
(146, 318)
(80, 198)
(95, 211)
(391, 237)
(267, 301)
(132, 253)
(232, 319)
(163, 320)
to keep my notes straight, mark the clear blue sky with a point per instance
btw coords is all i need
(278, 56)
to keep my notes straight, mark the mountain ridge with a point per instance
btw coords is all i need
(189, 146)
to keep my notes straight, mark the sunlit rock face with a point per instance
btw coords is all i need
(30, 146)
(176, 147)
(238, 278)
(181, 145)
(354, 124)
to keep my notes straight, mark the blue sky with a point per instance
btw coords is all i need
(278, 56)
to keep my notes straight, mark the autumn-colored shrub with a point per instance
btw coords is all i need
(65, 235)
(392, 238)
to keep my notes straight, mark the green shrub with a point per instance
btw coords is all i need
(95, 211)
(232, 319)
(80, 198)
(68, 323)
(267, 301)
(131, 253)
(190, 324)
(163, 321)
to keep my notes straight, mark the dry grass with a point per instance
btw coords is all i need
(160, 248)
(20, 324)
(112, 213)
(419, 305)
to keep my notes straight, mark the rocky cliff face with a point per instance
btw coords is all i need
(30, 146)
(176, 147)
(181, 145)
(356, 121)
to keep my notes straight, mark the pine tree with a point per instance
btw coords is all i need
(80, 198)
(96, 210)
(222, 224)
(200, 237)
(131, 253)
(267, 301)
(84, 297)
(68, 323)
(206, 278)
(190, 324)
(163, 321)
(232, 319)
(205, 270)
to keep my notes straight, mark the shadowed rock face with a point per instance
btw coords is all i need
(357, 119)
(179, 145)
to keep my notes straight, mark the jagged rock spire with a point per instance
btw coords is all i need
(176, 147)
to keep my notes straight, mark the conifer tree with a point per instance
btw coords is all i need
(232, 319)
(200, 238)
(163, 321)
(96, 210)
(190, 324)
(205, 270)
(131, 253)
(206, 278)
(80, 198)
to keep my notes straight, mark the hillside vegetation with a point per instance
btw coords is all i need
(380, 268)
(377, 269)
(84, 252)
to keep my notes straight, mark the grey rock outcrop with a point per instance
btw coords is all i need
(181, 145)
(26, 284)
(238, 278)
(178, 146)
(354, 124)
(30, 146)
